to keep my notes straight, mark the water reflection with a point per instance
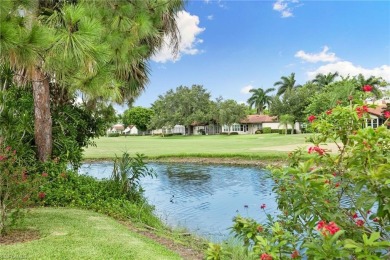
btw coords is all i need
(203, 198)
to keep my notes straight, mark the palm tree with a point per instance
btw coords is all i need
(286, 83)
(97, 47)
(286, 120)
(259, 99)
(322, 80)
(372, 81)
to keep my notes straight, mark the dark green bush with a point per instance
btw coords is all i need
(224, 133)
(267, 130)
(120, 197)
(113, 134)
(233, 133)
(283, 131)
(259, 131)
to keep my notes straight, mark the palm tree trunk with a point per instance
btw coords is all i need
(42, 115)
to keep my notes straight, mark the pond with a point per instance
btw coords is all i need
(202, 198)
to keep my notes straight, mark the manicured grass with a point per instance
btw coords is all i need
(248, 146)
(80, 234)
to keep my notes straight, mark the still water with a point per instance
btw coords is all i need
(202, 198)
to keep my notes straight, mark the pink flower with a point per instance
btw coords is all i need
(262, 206)
(330, 228)
(337, 184)
(355, 215)
(386, 114)
(44, 174)
(359, 223)
(361, 110)
(321, 225)
(311, 118)
(316, 149)
(265, 256)
(329, 112)
(376, 220)
(3, 158)
(367, 88)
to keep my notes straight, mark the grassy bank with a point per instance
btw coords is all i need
(267, 146)
(80, 234)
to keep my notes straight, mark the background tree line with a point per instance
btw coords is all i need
(291, 103)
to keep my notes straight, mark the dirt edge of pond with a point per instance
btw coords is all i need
(224, 161)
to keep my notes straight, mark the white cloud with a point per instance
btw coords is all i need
(245, 90)
(189, 29)
(323, 56)
(345, 68)
(210, 17)
(286, 7)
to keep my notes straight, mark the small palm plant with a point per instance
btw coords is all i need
(127, 174)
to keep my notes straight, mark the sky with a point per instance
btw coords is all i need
(229, 47)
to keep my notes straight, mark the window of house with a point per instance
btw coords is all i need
(244, 128)
(225, 128)
(375, 123)
(235, 127)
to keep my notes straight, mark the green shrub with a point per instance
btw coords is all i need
(113, 134)
(258, 131)
(233, 133)
(283, 131)
(224, 133)
(267, 130)
(116, 197)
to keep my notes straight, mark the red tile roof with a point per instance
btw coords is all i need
(256, 119)
(376, 111)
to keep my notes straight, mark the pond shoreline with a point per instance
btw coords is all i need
(205, 160)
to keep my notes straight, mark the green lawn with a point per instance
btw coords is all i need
(256, 146)
(81, 234)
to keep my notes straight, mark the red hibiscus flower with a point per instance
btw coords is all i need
(265, 256)
(359, 223)
(386, 114)
(41, 195)
(44, 174)
(316, 149)
(311, 118)
(355, 215)
(367, 88)
(361, 110)
(330, 228)
(329, 112)
(262, 206)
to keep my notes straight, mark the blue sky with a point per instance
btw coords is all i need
(232, 46)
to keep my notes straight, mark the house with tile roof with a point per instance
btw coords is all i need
(376, 117)
(248, 125)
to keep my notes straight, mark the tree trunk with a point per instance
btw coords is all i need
(42, 115)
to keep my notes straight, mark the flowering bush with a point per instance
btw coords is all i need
(18, 188)
(333, 204)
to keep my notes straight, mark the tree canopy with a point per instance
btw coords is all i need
(99, 48)
(138, 116)
(182, 106)
(229, 112)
